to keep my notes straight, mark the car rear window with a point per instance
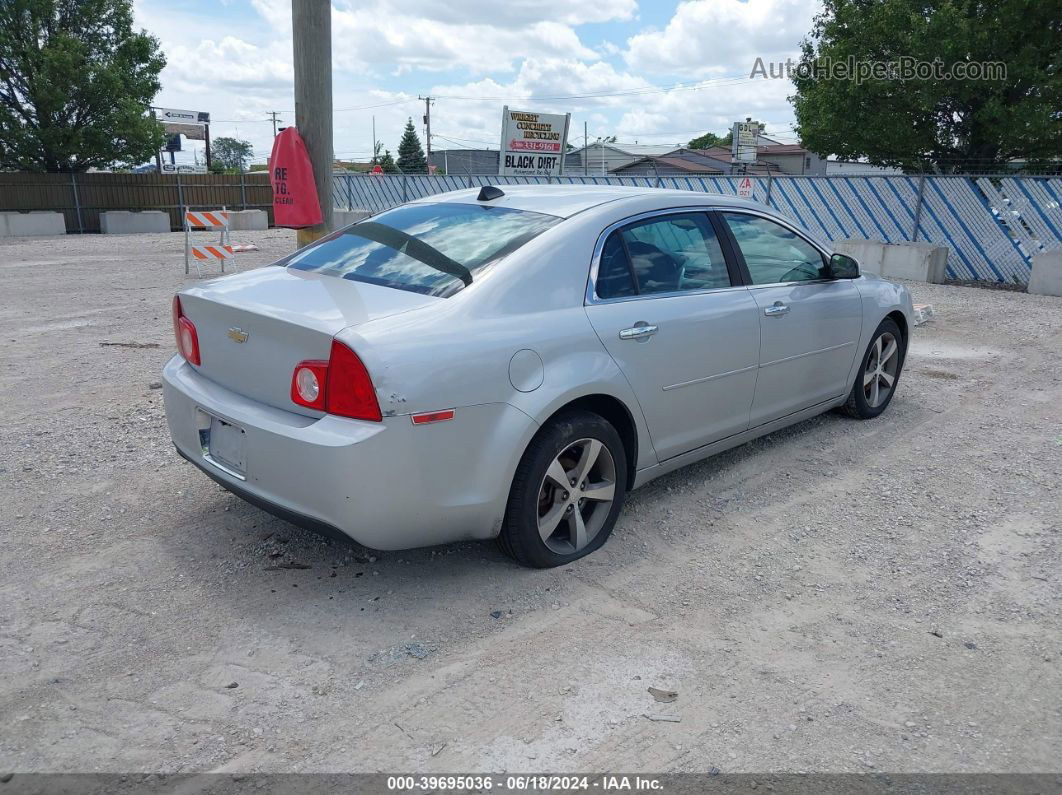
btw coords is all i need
(434, 249)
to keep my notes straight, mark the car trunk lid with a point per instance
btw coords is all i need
(253, 328)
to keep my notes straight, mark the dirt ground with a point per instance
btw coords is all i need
(840, 596)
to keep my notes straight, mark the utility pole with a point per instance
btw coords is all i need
(427, 122)
(586, 151)
(311, 33)
(273, 115)
(158, 154)
(374, 140)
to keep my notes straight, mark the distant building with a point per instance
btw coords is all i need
(603, 158)
(646, 159)
(459, 162)
(350, 165)
(674, 163)
(772, 158)
(839, 167)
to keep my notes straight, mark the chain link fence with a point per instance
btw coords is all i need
(992, 224)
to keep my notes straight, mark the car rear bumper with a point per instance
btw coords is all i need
(387, 485)
(302, 520)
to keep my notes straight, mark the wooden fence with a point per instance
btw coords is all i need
(82, 197)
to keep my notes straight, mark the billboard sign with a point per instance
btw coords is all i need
(182, 116)
(746, 140)
(193, 132)
(189, 123)
(533, 144)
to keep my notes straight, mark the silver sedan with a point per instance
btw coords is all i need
(510, 362)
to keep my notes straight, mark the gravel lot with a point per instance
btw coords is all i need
(840, 596)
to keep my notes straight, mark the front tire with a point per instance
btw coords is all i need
(567, 493)
(879, 373)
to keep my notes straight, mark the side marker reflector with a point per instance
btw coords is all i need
(432, 416)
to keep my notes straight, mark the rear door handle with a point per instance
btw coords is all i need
(777, 309)
(638, 331)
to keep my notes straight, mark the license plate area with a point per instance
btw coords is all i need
(223, 443)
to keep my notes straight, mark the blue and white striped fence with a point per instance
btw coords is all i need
(991, 226)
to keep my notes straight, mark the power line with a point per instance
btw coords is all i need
(719, 81)
(380, 105)
(241, 121)
(456, 139)
(462, 142)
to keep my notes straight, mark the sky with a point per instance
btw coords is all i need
(646, 71)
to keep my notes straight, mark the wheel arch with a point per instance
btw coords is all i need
(616, 412)
(900, 320)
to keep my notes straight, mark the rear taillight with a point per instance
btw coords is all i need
(184, 331)
(308, 384)
(339, 386)
(348, 390)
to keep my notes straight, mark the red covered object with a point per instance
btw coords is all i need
(295, 203)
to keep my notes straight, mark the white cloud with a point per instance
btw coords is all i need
(276, 12)
(386, 52)
(638, 112)
(368, 39)
(514, 13)
(677, 115)
(706, 37)
(231, 62)
(461, 115)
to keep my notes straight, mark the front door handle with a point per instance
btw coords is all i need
(640, 330)
(777, 309)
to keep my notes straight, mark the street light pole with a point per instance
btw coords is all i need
(311, 28)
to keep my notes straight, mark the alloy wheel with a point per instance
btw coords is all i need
(576, 495)
(879, 375)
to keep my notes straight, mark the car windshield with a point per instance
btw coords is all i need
(425, 248)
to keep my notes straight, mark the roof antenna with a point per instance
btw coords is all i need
(489, 192)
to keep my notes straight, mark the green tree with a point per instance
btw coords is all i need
(709, 139)
(943, 123)
(411, 159)
(387, 163)
(230, 153)
(75, 85)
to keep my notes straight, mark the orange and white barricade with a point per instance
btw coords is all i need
(200, 252)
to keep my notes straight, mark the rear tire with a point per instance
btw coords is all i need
(551, 520)
(879, 372)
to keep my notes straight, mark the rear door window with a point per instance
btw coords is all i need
(434, 249)
(671, 253)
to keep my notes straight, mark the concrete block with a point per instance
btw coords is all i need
(127, 222)
(922, 262)
(37, 223)
(343, 218)
(1046, 278)
(248, 220)
(868, 253)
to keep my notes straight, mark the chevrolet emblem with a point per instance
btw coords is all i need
(237, 334)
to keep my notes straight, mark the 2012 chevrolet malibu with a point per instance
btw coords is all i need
(509, 363)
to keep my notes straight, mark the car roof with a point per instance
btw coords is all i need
(567, 200)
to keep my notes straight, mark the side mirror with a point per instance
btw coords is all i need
(843, 267)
